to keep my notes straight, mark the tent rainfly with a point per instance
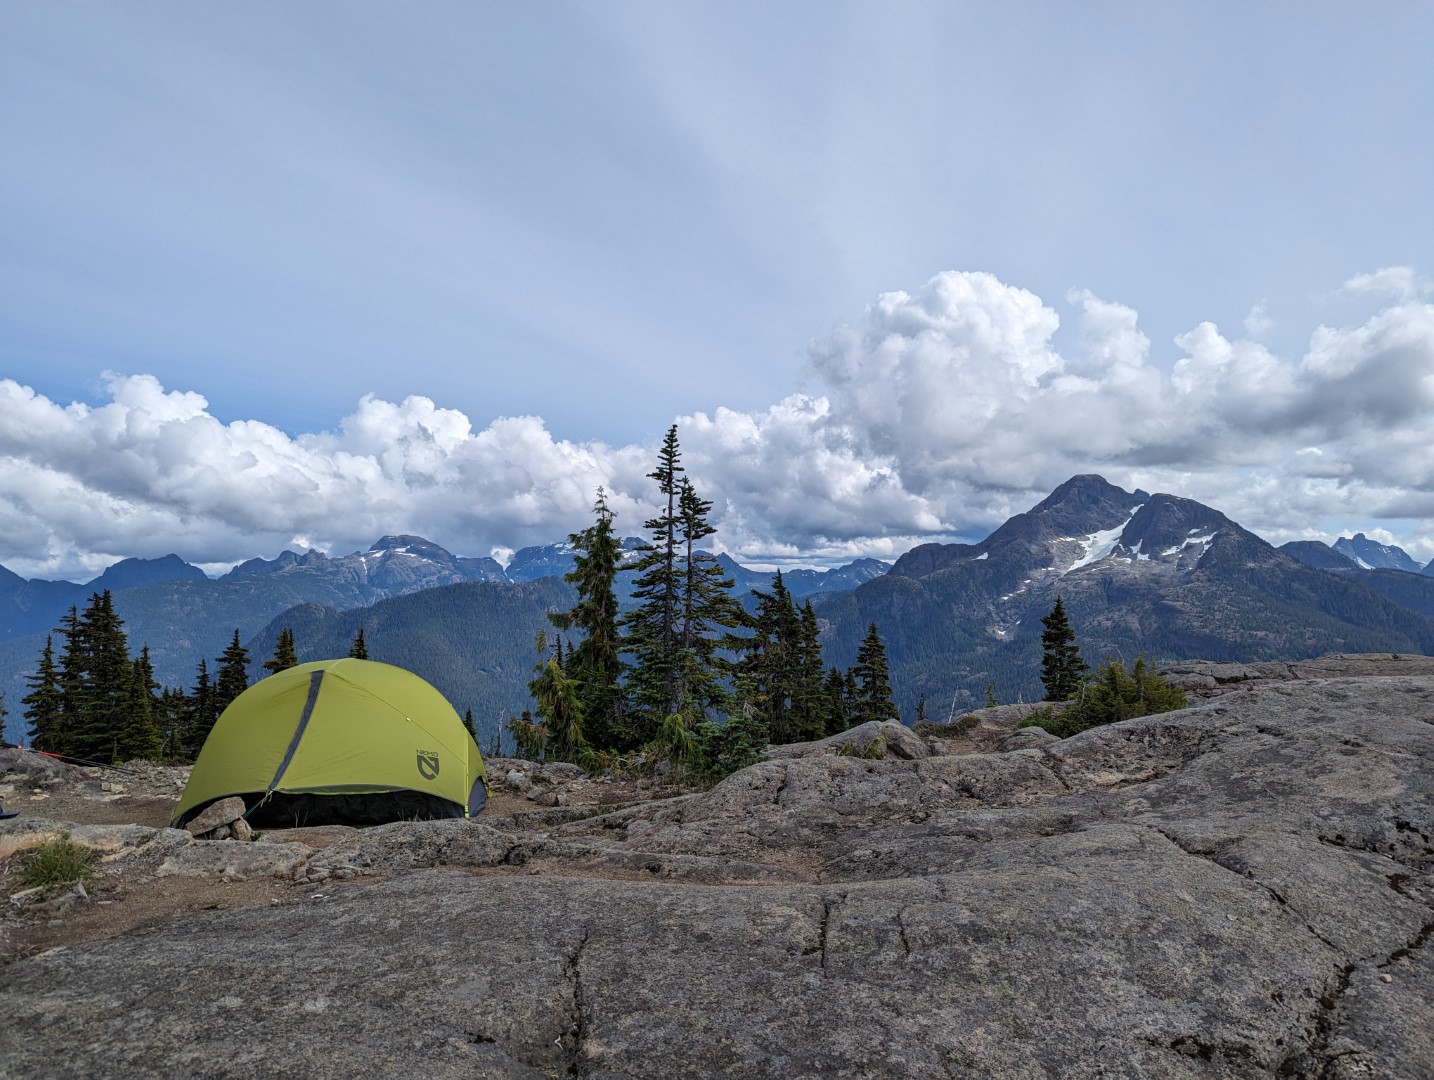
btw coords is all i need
(345, 741)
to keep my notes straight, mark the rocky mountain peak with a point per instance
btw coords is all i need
(1372, 555)
(408, 544)
(1169, 525)
(1081, 507)
(129, 573)
(1089, 495)
(1319, 555)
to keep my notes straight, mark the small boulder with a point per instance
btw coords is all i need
(1027, 738)
(518, 781)
(216, 814)
(241, 830)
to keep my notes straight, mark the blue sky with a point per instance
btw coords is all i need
(320, 217)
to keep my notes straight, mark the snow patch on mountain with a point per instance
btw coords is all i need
(1098, 545)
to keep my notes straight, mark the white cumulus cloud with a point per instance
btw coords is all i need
(936, 414)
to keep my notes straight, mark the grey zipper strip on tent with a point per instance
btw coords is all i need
(315, 678)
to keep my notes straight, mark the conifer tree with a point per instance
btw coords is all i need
(683, 607)
(872, 700)
(171, 718)
(652, 626)
(468, 723)
(284, 655)
(105, 701)
(1062, 668)
(837, 701)
(137, 736)
(555, 700)
(201, 712)
(359, 649)
(144, 669)
(782, 667)
(43, 703)
(596, 662)
(232, 677)
(72, 674)
(808, 692)
(764, 667)
(708, 611)
(96, 703)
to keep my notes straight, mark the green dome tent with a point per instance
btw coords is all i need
(348, 741)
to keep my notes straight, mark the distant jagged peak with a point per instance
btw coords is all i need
(285, 560)
(1372, 555)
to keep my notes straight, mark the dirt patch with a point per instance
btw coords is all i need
(62, 805)
(128, 893)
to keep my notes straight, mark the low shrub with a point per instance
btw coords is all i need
(872, 751)
(954, 730)
(1110, 695)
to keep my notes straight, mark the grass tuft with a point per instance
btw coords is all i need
(56, 863)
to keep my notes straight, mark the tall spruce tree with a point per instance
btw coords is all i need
(872, 700)
(595, 663)
(232, 677)
(1062, 668)
(683, 608)
(43, 704)
(359, 649)
(709, 613)
(284, 655)
(655, 682)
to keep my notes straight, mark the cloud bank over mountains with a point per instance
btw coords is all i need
(935, 415)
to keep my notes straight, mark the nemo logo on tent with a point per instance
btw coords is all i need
(427, 765)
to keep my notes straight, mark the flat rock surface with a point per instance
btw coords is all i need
(1244, 888)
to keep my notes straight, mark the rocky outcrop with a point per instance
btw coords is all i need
(875, 738)
(1244, 888)
(1206, 679)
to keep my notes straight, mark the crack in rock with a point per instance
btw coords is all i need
(1315, 1060)
(579, 1029)
(828, 905)
(1052, 766)
(786, 773)
(1274, 893)
(1417, 942)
